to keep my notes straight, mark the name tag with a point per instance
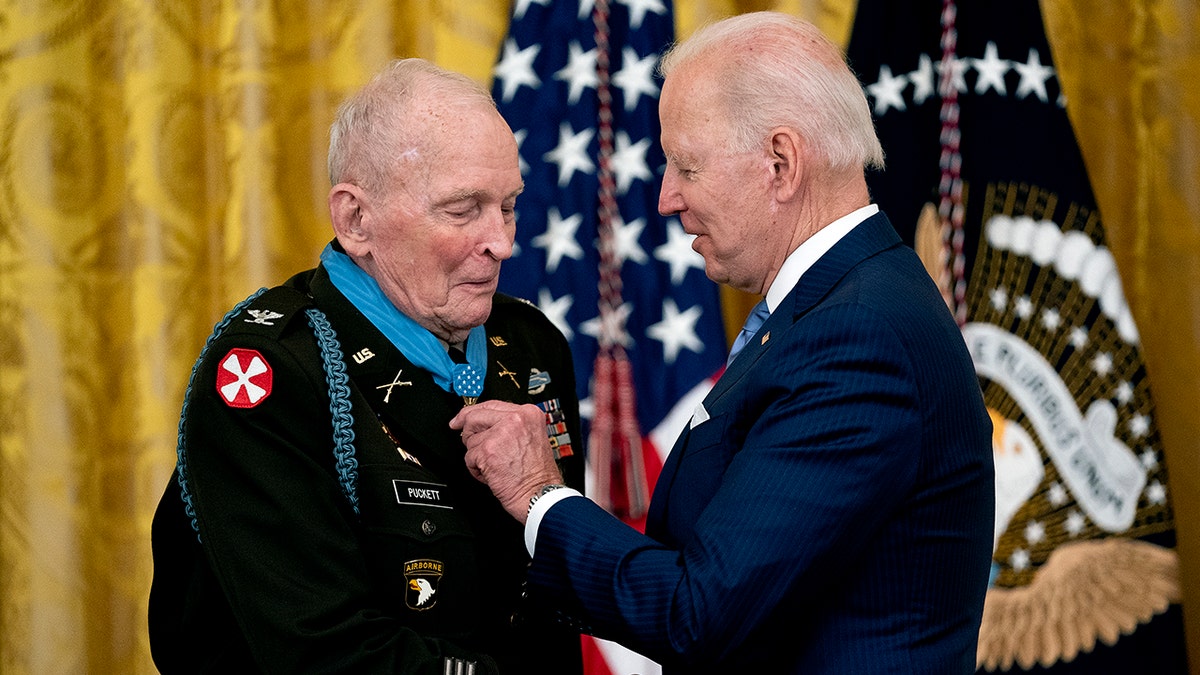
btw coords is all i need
(413, 493)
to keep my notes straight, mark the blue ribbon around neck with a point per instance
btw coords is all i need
(411, 338)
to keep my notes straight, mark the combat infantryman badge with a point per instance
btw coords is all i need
(538, 379)
(243, 378)
(423, 577)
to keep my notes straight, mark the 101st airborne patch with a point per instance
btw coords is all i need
(423, 577)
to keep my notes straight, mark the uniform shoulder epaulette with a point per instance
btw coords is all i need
(270, 313)
(507, 308)
(502, 299)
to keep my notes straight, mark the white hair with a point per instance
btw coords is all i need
(369, 134)
(779, 70)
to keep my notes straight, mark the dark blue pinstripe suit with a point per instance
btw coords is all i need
(835, 513)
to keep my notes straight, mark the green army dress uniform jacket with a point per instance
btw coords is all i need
(288, 543)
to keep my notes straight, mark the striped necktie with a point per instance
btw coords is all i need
(753, 322)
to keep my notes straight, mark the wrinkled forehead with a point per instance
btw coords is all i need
(435, 132)
(697, 84)
(432, 123)
(691, 104)
(462, 152)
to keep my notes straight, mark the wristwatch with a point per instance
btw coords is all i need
(546, 489)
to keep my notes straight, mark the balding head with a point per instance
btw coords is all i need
(386, 124)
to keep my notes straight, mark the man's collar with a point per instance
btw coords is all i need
(809, 252)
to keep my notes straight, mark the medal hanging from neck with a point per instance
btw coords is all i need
(417, 344)
(468, 380)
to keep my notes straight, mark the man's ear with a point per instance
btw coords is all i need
(346, 213)
(787, 155)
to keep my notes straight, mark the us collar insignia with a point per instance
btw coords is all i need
(394, 383)
(505, 372)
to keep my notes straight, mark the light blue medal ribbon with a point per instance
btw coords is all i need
(413, 340)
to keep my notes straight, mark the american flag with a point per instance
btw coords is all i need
(577, 83)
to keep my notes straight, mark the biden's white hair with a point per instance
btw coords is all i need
(778, 70)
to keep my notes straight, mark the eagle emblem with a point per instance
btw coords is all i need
(423, 577)
(263, 317)
(423, 589)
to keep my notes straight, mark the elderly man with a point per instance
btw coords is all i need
(321, 518)
(829, 508)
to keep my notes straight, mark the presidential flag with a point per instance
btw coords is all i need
(578, 84)
(985, 179)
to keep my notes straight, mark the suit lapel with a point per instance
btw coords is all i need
(873, 235)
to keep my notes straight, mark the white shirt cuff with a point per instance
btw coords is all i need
(540, 507)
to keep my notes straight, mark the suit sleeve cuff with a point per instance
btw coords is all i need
(539, 509)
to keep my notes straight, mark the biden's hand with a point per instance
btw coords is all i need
(509, 451)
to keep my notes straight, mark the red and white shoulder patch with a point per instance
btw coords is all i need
(244, 378)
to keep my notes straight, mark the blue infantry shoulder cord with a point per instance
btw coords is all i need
(339, 406)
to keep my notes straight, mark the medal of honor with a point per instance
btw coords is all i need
(468, 383)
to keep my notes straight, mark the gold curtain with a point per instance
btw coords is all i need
(161, 159)
(1130, 72)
